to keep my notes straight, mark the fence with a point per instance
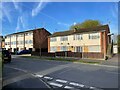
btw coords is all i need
(93, 55)
(71, 54)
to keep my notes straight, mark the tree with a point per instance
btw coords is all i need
(86, 24)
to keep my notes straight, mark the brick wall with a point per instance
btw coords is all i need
(93, 55)
(40, 38)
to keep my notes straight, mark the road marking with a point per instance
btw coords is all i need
(76, 84)
(55, 84)
(68, 87)
(92, 88)
(62, 81)
(46, 77)
(36, 75)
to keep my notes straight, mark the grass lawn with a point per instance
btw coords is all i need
(63, 59)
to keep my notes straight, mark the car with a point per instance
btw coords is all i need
(6, 55)
(24, 52)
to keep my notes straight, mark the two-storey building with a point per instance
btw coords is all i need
(87, 40)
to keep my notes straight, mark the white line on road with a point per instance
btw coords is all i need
(62, 81)
(46, 77)
(76, 84)
(68, 87)
(92, 87)
(55, 84)
(36, 75)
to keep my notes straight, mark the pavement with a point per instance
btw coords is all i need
(30, 73)
(114, 61)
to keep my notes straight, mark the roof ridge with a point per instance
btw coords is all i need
(69, 32)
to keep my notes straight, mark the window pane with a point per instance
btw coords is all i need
(64, 38)
(94, 48)
(94, 36)
(53, 39)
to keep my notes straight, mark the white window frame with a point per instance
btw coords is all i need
(53, 39)
(64, 38)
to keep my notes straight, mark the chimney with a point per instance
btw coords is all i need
(75, 29)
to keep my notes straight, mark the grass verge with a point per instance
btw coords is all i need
(63, 59)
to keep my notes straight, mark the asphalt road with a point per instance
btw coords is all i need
(33, 73)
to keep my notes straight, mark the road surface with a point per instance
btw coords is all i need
(29, 73)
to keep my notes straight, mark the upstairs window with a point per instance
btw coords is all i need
(77, 37)
(20, 35)
(8, 37)
(21, 42)
(26, 34)
(26, 42)
(14, 42)
(30, 41)
(53, 39)
(64, 38)
(94, 36)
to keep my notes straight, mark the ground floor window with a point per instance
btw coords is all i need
(53, 49)
(94, 48)
(64, 48)
(78, 49)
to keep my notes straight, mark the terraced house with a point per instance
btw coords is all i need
(30, 40)
(89, 41)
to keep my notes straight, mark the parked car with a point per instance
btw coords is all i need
(6, 55)
(24, 52)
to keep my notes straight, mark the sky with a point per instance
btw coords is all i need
(55, 16)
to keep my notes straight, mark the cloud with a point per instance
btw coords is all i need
(22, 22)
(74, 23)
(18, 24)
(64, 24)
(16, 5)
(39, 7)
(114, 10)
(6, 12)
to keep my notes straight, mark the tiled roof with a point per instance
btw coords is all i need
(86, 30)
